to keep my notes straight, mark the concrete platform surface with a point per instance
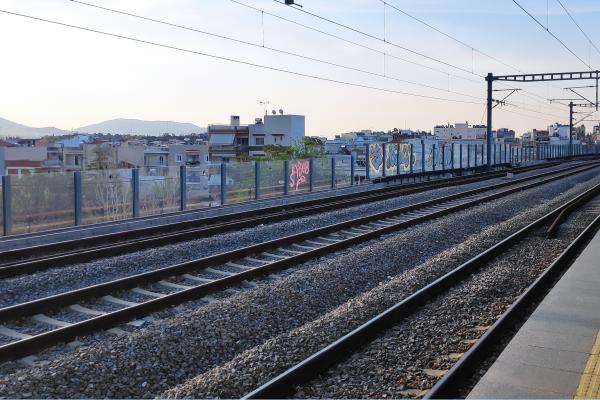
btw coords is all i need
(556, 353)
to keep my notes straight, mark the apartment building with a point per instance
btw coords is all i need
(235, 141)
(460, 131)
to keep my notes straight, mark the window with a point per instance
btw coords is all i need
(76, 160)
(161, 160)
(179, 158)
(260, 141)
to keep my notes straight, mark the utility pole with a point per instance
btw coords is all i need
(489, 139)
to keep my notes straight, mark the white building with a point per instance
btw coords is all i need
(558, 131)
(460, 131)
(231, 142)
(277, 130)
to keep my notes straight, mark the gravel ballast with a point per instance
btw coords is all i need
(169, 352)
(57, 280)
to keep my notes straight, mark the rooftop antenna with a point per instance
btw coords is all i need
(265, 103)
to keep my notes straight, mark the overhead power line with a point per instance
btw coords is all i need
(542, 100)
(354, 43)
(233, 60)
(551, 34)
(389, 42)
(280, 51)
(578, 26)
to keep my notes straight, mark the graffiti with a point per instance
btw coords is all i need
(375, 158)
(298, 176)
(391, 156)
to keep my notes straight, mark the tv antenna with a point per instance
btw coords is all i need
(265, 103)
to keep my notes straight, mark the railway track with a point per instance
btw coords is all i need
(37, 258)
(138, 295)
(342, 349)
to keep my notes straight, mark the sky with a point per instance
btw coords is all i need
(59, 76)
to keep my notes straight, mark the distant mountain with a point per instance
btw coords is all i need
(9, 128)
(115, 126)
(135, 126)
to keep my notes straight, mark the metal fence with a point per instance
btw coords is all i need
(40, 202)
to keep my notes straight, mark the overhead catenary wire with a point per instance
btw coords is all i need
(354, 43)
(356, 30)
(578, 26)
(385, 75)
(551, 34)
(472, 48)
(375, 37)
(233, 60)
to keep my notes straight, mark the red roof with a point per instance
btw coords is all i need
(23, 163)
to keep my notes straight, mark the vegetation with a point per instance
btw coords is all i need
(307, 148)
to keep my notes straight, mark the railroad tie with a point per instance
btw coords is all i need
(256, 260)
(234, 265)
(304, 247)
(85, 310)
(121, 302)
(197, 278)
(274, 255)
(50, 321)
(224, 273)
(11, 333)
(172, 285)
(148, 293)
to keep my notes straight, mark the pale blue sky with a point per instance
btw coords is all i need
(53, 75)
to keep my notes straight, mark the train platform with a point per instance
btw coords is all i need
(556, 353)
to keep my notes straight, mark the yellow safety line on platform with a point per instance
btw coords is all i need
(589, 384)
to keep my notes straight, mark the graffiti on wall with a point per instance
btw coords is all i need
(391, 158)
(375, 159)
(300, 170)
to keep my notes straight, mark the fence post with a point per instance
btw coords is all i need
(78, 197)
(468, 156)
(482, 155)
(443, 157)
(223, 183)
(422, 157)
(311, 174)
(397, 158)
(333, 172)
(460, 157)
(6, 205)
(286, 173)
(495, 159)
(351, 170)
(411, 158)
(433, 156)
(475, 155)
(256, 180)
(183, 187)
(384, 159)
(367, 168)
(135, 192)
(452, 156)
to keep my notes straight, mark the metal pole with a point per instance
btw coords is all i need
(489, 138)
(183, 187)
(333, 172)
(367, 167)
(286, 173)
(460, 163)
(351, 170)
(223, 182)
(433, 156)
(452, 155)
(384, 160)
(78, 197)
(570, 129)
(135, 192)
(495, 159)
(311, 174)
(6, 205)
(411, 158)
(468, 156)
(443, 157)
(256, 180)
(397, 158)
(422, 157)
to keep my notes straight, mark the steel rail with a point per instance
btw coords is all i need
(137, 240)
(452, 203)
(455, 378)
(284, 384)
